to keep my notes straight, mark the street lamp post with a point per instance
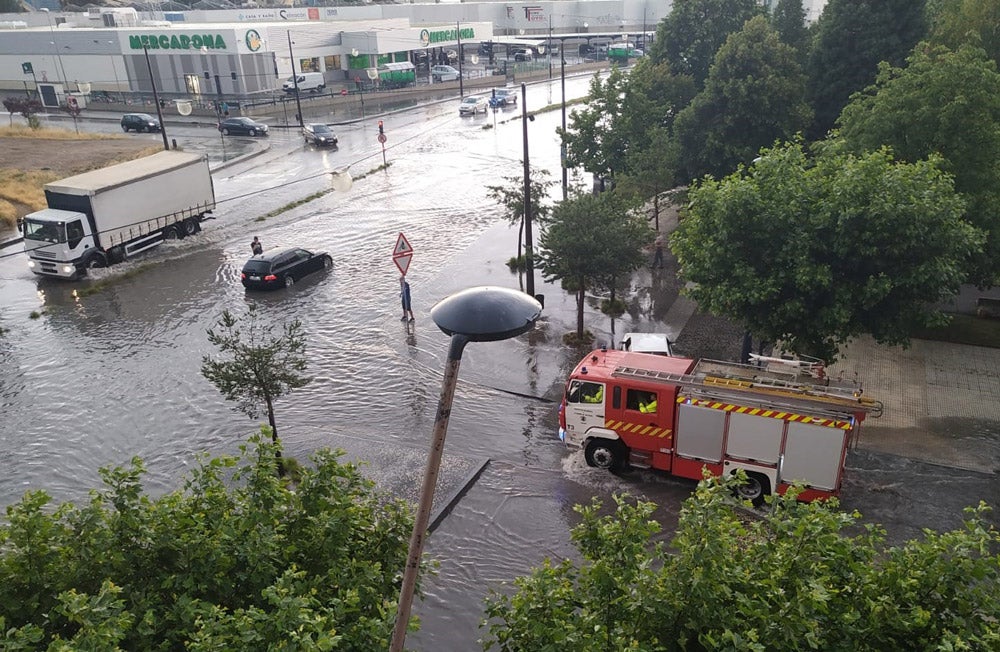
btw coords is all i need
(529, 262)
(156, 99)
(295, 79)
(55, 46)
(458, 32)
(480, 314)
(550, 46)
(562, 145)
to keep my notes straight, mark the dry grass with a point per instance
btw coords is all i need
(25, 187)
(24, 131)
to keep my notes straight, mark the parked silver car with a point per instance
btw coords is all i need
(444, 73)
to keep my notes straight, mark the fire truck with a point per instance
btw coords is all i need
(781, 421)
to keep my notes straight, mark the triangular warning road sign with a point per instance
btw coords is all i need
(402, 262)
(402, 246)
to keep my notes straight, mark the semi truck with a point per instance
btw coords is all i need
(783, 422)
(102, 217)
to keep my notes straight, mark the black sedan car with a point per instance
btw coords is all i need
(139, 122)
(320, 135)
(280, 268)
(242, 127)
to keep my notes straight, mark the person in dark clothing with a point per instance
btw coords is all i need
(658, 256)
(256, 247)
(404, 295)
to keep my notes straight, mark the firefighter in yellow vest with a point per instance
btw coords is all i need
(649, 407)
(595, 398)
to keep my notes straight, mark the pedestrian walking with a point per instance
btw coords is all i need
(404, 295)
(256, 247)
(658, 255)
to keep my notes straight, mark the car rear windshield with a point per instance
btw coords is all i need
(257, 267)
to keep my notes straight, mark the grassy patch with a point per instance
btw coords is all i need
(964, 329)
(99, 286)
(25, 187)
(24, 131)
(290, 205)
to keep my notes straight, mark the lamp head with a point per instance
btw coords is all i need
(486, 313)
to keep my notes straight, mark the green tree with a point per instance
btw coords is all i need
(798, 576)
(652, 170)
(236, 560)
(852, 37)
(947, 103)
(814, 252)
(754, 95)
(592, 142)
(788, 18)
(590, 241)
(954, 23)
(694, 30)
(510, 195)
(257, 367)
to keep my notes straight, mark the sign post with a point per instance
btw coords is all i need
(381, 139)
(402, 254)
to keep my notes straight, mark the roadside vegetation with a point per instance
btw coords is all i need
(22, 187)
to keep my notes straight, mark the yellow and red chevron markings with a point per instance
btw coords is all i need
(764, 412)
(637, 428)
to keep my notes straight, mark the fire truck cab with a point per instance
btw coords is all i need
(781, 421)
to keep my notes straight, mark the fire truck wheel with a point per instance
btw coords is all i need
(605, 454)
(756, 488)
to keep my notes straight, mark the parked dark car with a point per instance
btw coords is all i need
(242, 127)
(319, 134)
(139, 122)
(280, 268)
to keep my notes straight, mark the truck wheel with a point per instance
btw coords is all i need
(95, 261)
(171, 233)
(190, 226)
(756, 488)
(116, 255)
(605, 454)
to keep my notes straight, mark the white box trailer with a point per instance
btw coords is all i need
(102, 217)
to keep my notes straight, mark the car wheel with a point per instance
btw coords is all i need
(143, 129)
(327, 262)
(125, 128)
(225, 131)
(289, 280)
(253, 132)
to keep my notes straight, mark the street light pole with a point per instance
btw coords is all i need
(295, 79)
(562, 145)
(550, 45)
(458, 32)
(156, 98)
(483, 314)
(55, 46)
(529, 263)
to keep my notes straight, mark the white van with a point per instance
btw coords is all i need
(308, 81)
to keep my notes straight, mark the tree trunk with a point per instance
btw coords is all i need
(580, 295)
(274, 435)
(656, 210)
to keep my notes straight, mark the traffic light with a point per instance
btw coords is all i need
(380, 129)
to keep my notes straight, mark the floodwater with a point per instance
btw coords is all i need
(93, 381)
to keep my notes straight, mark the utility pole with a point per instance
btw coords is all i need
(156, 99)
(295, 79)
(461, 58)
(529, 263)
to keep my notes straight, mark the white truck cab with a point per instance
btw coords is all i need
(657, 343)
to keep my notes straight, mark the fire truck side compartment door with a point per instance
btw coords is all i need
(700, 432)
(813, 455)
(754, 438)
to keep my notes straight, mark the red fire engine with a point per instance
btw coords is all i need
(781, 421)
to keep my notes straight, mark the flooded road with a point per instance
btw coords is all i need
(96, 380)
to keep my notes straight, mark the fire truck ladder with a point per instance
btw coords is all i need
(777, 392)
